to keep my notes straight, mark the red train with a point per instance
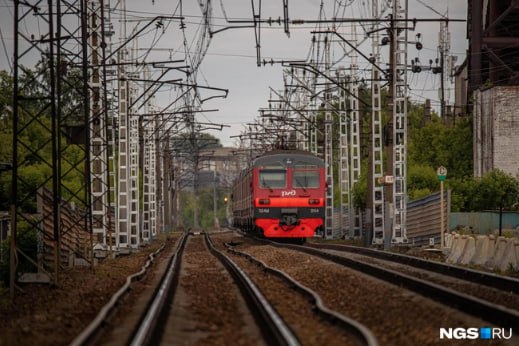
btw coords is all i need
(281, 195)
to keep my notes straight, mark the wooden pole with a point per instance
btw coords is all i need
(442, 227)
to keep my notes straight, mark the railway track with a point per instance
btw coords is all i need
(491, 280)
(191, 302)
(93, 332)
(226, 287)
(153, 327)
(317, 315)
(400, 309)
(491, 311)
(274, 329)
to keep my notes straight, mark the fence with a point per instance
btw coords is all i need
(424, 218)
(484, 222)
(75, 240)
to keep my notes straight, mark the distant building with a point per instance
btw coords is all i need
(496, 129)
(226, 162)
(493, 84)
(460, 89)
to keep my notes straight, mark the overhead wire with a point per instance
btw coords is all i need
(8, 59)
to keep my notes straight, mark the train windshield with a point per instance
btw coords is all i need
(272, 178)
(305, 179)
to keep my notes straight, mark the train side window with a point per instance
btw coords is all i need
(305, 179)
(272, 179)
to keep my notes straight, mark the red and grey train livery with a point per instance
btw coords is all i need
(281, 195)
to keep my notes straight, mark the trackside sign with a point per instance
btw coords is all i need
(484, 333)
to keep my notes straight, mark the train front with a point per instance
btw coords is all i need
(289, 195)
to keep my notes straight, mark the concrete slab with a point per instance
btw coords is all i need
(100, 253)
(448, 239)
(468, 251)
(485, 247)
(507, 256)
(81, 262)
(458, 247)
(34, 278)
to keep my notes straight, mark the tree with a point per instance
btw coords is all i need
(498, 189)
(360, 191)
(421, 181)
(436, 144)
(494, 190)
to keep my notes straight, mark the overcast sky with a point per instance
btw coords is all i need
(230, 62)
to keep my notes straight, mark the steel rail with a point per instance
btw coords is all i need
(89, 335)
(500, 282)
(479, 308)
(362, 335)
(145, 333)
(274, 329)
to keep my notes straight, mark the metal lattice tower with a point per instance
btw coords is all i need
(328, 149)
(161, 149)
(133, 156)
(123, 180)
(111, 126)
(399, 232)
(99, 179)
(313, 129)
(128, 179)
(305, 124)
(444, 47)
(123, 177)
(149, 167)
(344, 170)
(307, 113)
(355, 218)
(301, 123)
(376, 131)
(50, 95)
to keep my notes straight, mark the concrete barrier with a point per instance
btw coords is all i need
(468, 251)
(484, 250)
(452, 245)
(448, 239)
(458, 247)
(505, 254)
(499, 253)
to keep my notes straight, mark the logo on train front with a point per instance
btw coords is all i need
(288, 193)
(484, 333)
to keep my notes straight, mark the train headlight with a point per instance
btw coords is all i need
(264, 201)
(313, 201)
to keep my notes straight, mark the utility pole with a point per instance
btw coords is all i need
(99, 179)
(344, 163)
(216, 223)
(444, 48)
(328, 147)
(376, 164)
(355, 216)
(123, 181)
(399, 140)
(389, 140)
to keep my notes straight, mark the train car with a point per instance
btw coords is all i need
(281, 195)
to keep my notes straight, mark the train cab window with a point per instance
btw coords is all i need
(272, 178)
(305, 179)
